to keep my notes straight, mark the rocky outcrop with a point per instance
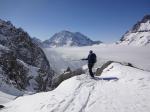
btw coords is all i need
(21, 57)
(37, 42)
(14, 72)
(100, 70)
(66, 75)
(1, 106)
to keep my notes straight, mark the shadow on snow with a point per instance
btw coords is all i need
(106, 78)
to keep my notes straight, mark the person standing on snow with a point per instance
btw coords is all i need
(91, 61)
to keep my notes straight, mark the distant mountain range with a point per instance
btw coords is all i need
(66, 38)
(139, 35)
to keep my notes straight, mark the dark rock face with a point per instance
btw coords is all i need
(13, 70)
(100, 70)
(66, 75)
(145, 18)
(22, 48)
(37, 42)
(1, 106)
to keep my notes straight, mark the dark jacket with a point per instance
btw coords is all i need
(91, 58)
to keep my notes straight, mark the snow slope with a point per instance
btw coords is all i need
(4, 98)
(119, 89)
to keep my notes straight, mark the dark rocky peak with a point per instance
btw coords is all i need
(145, 18)
(142, 26)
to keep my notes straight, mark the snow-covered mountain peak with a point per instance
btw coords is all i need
(139, 35)
(64, 32)
(67, 38)
(143, 25)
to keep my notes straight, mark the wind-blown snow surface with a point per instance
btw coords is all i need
(4, 98)
(119, 89)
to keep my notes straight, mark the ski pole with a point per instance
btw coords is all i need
(75, 60)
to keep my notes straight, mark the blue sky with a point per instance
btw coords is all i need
(104, 20)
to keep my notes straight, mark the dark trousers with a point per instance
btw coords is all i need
(90, 66)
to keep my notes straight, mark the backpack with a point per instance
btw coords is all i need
(94, 58)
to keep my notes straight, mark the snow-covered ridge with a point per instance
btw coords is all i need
(67, 38)
(139, 35)
(119, 89)
(143, 25)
